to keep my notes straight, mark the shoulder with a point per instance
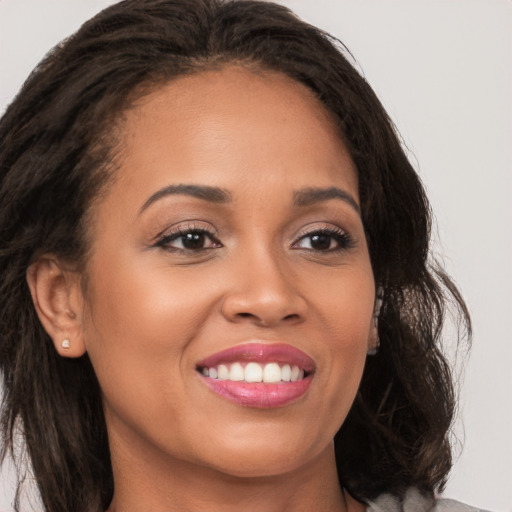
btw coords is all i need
(415, 501)
(444, 505)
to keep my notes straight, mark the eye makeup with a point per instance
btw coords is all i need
(326, 239)
(191, 236)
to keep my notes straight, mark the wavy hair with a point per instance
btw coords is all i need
(57, 147)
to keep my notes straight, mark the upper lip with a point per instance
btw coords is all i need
(259, 352)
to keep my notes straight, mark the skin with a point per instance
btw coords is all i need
(150, 312)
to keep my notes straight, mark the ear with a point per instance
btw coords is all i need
(373, 336)
(58, 300)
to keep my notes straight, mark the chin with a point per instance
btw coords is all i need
(266, 457)
(260, 467)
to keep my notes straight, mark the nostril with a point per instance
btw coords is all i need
(264, 320)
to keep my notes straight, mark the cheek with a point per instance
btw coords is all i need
(138, 328)
(139, 331)
(343, 311)
(343, 302)
(141, 306)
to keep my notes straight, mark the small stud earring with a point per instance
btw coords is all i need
(66, 344)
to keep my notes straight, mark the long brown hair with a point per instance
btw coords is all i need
(57, 142)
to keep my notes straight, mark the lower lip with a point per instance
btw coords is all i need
(259, 395)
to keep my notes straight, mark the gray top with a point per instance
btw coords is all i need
(415, 501)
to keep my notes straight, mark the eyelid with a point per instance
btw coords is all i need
(328, 229)
(182, 228)
(319, 227)
(185, 226)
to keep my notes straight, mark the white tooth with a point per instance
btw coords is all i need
(271, 373)
(236, 372)
(212, 372)
(286, 373)
(295, 373)
(205, 372)
(301, 375)
(253, 373)
(222, 372)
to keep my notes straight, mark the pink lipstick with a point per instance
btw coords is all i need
(258, 375)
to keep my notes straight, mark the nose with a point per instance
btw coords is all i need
(263, 292)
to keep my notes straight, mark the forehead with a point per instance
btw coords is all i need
(233, 127)
(228, 88)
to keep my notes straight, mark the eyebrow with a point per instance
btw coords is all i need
(204, 192)
(309, 196)
(302, 197)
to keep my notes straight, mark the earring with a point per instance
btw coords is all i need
(376, 312)
(66, 344)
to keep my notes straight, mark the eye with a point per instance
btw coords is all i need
(189, 240)
(324, 240)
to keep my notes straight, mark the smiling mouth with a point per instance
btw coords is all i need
(258, 375)
(269, 373)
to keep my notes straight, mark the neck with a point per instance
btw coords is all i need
(174, 485)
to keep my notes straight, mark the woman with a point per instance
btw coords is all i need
(214, 262)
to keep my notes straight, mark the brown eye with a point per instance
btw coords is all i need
(191, 240)
(321, 242)
(324, 241)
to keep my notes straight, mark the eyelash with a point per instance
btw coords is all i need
(181, 232)
(343, 240)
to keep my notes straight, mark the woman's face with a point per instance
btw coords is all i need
(229, 247)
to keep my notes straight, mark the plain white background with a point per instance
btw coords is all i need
(443, 70)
